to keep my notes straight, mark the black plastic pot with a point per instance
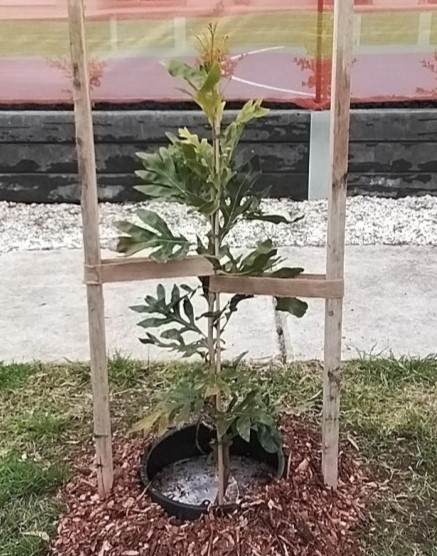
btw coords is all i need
(177, 445)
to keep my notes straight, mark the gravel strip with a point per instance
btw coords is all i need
(370, 221)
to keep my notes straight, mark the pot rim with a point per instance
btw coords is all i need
(165, 501)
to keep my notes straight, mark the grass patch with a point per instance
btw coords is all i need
(39, 427)
(22, 478)
(395, 372)
(389, 410)
(14, 376)
(392, 406)
(26, 525)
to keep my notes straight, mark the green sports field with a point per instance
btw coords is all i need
(295, 30)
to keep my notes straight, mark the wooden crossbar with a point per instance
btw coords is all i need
(127, 270)
(306, 285)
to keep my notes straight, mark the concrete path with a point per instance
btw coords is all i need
(390, 305)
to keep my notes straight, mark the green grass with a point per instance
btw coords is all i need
(21, 478)
(26, 525)
(14, 376)
(289, 29)
(389, 410)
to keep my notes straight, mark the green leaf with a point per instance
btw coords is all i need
(189, 311)
(237, 360)
(210, 315)
(269, 439)
(201, 249)
(240, 195)
(212, 390)
(286, 272)
(175, 295)
(181, 172)
(236, 300)
(154, 221)
(170, 313)
(273, 218)
(247, 401)
(163, 422)
(160, 292)
(266, 419)
(182, 70)
(224, 423)
(139, 308)
(155, 236)
(152, 323)
(172, 334)
(209, 97)
(259, 261)
(187, 288)
(161, 176)
(243, 427)
(232, 307)
(291, 305)
(212, 79)
(198, 154)
(137, 238)
(184, 414)
(151, 339)
(148, 422)
(232, 134)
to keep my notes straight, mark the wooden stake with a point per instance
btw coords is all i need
(91, 239)
(340, 108)
(319, 50)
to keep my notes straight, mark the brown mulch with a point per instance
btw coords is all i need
(296, 516)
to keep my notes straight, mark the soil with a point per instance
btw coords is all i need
(194, 481)
(295, 516)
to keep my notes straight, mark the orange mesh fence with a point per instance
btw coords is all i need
(281, 49)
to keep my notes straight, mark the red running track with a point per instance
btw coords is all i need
(273, 75)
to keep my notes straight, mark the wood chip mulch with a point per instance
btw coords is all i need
(296, 516)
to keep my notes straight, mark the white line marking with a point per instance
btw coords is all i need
(260, 51)
(260, 85)
(270, 87)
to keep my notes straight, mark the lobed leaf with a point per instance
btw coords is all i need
(152, 323)
(148, 422)
(232, 134)
(181, 70)
(243, 427)
(273, 218)
(269, 438)
(262, 259)
(286, 272)
(155, 236)
(291, 305)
